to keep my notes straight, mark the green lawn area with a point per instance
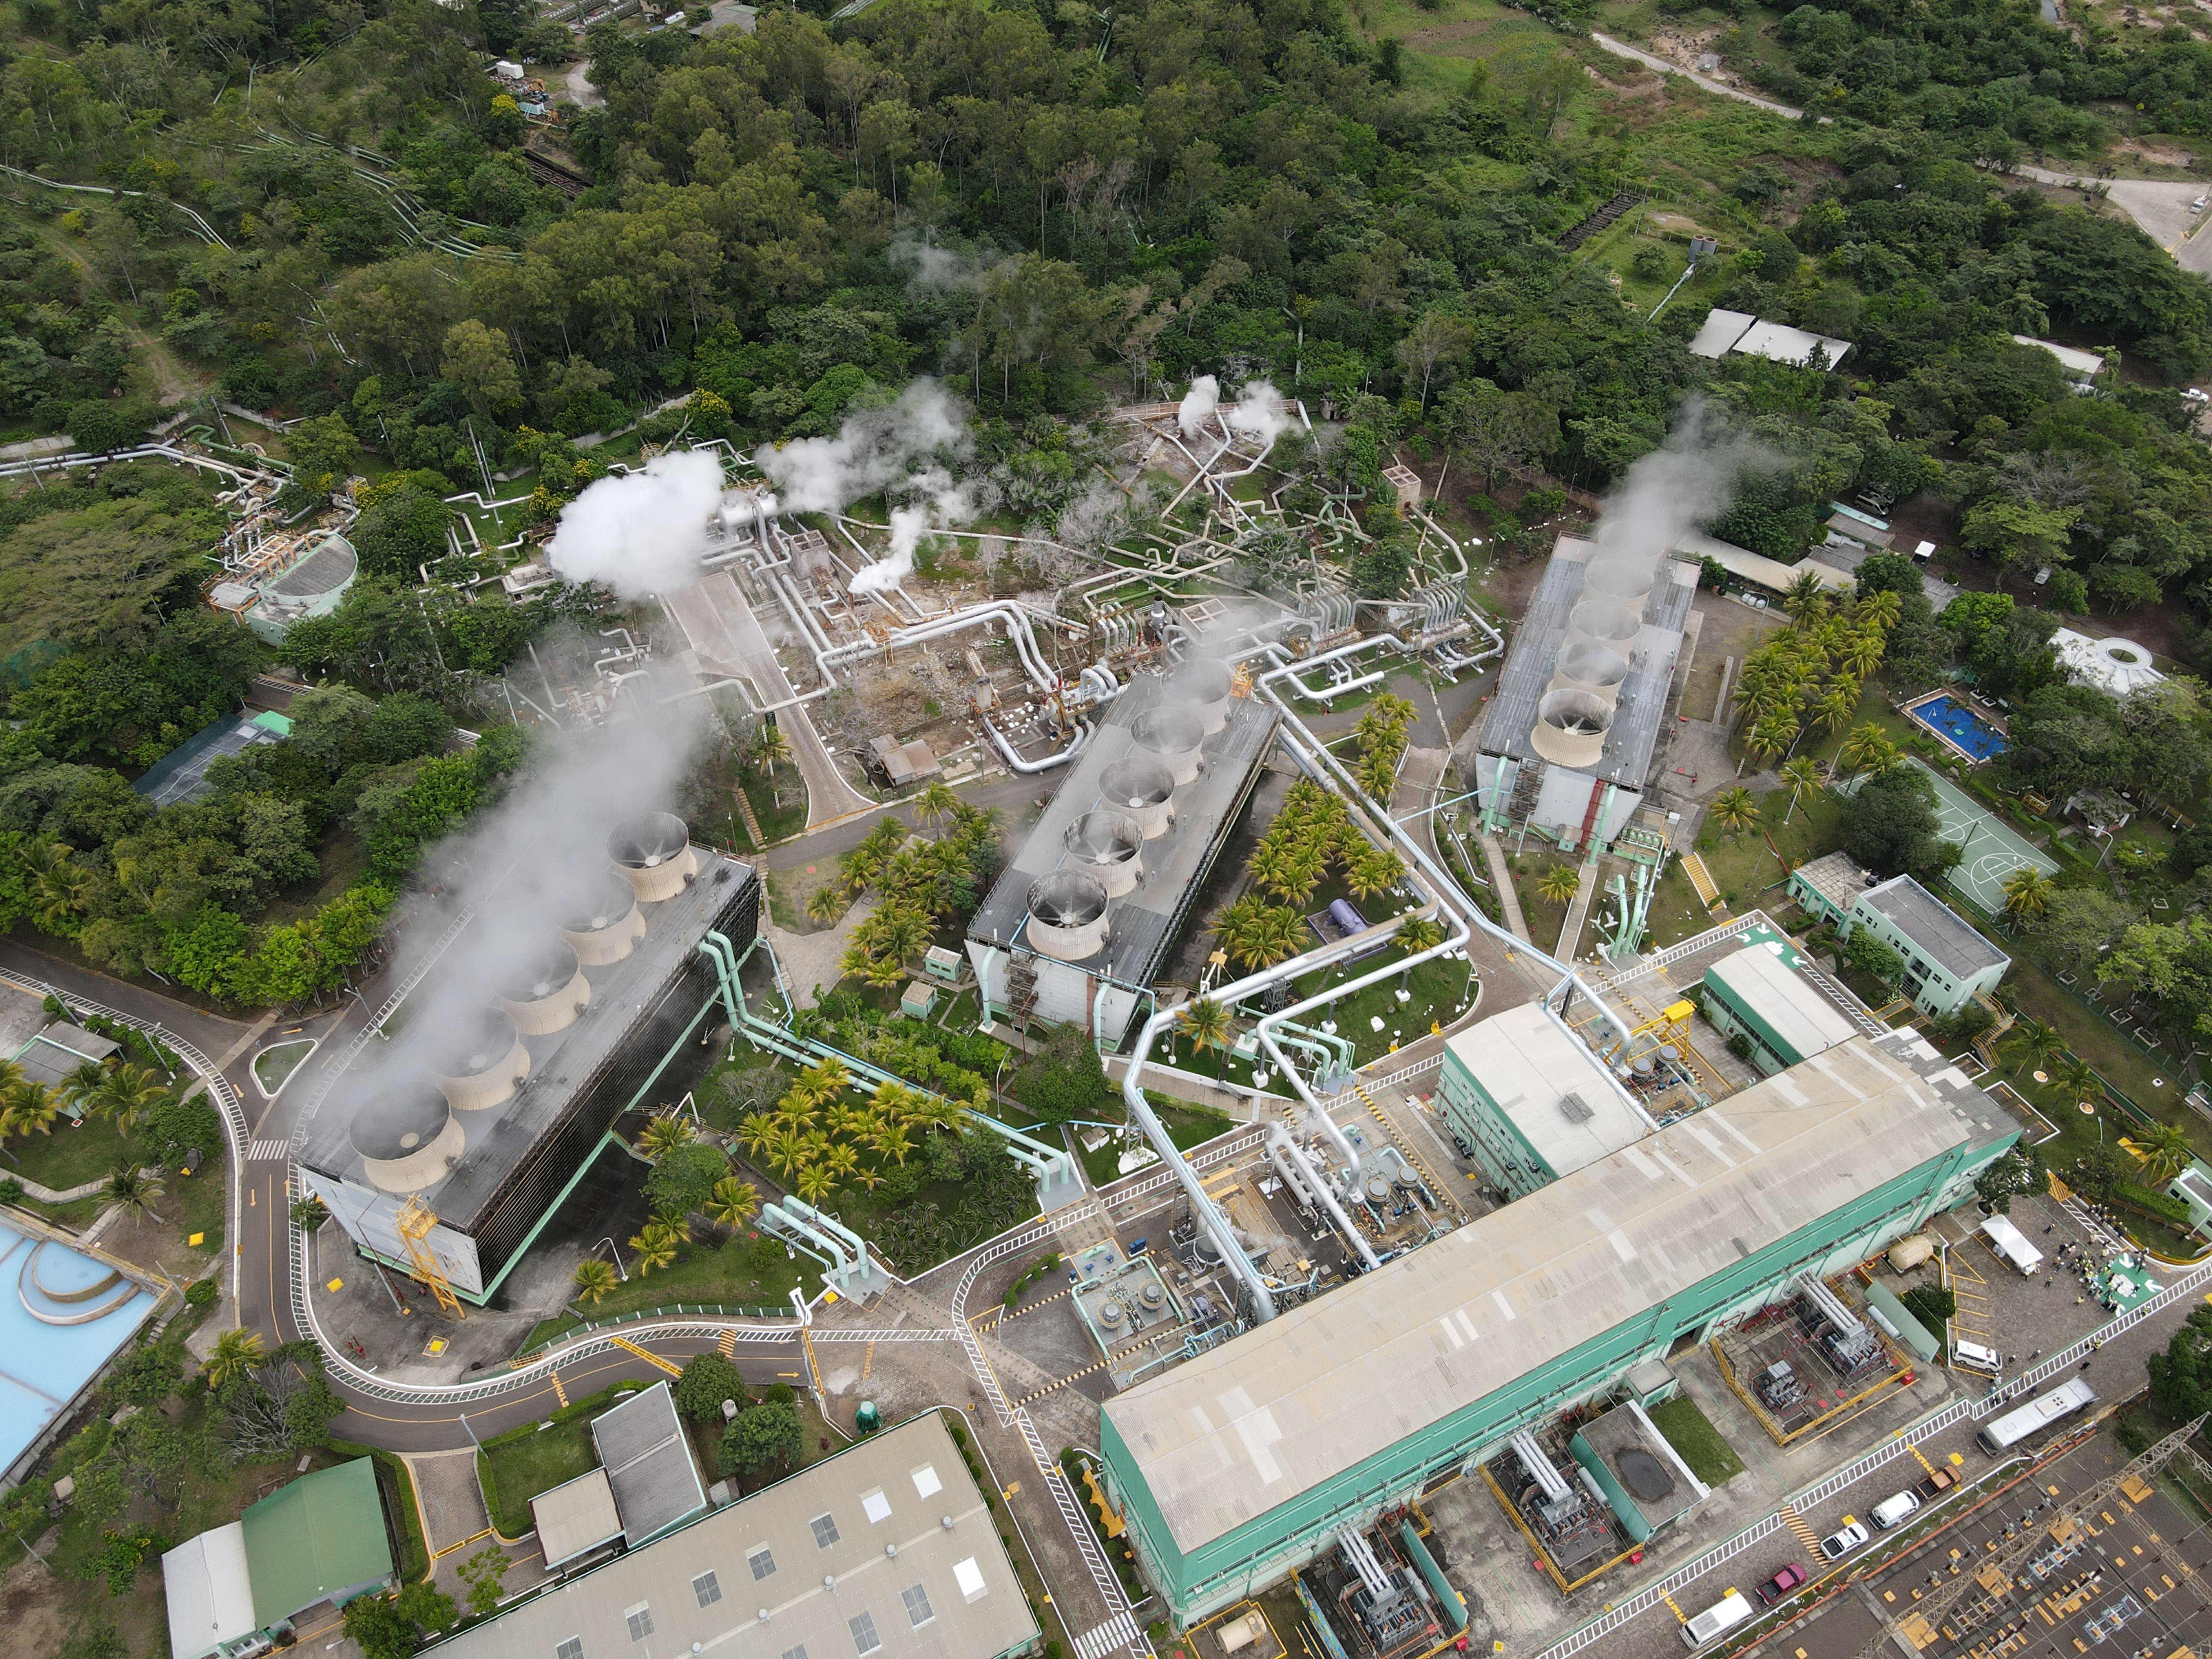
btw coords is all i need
(516, 1469)
(1691, 1434)
(743, 1273)
(1187, 1126)
(278, 1062)
(777, 819)
(68, 1156)
(1744, 867)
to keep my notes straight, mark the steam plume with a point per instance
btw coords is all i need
(1685, 482)
(874, 447)
(1197, 405)
(1260, 414)
(644, 532)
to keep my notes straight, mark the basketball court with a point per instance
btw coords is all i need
(1992, 851)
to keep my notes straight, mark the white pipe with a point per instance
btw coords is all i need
(1279, 1139)
(1082, 735)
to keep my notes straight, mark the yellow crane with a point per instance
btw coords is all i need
(415, 1220)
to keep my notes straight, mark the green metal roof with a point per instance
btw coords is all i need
(321, 1536)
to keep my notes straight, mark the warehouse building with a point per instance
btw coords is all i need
(1781, 1015)
(1248, 1460)
(1532, 1101)
(1081, 922)
(1947, 959)
(885, 1548)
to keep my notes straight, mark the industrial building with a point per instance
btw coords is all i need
(448, 1171)
(1080, 922)
(1566, 748)
(1532, 1101)
(284, 579)
(1782, 1016)
(1267, 1452)
(885, 1547)
(1947, 959)
(180, 776)
(1739, 331)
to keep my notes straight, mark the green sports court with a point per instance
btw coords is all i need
(1993, 852)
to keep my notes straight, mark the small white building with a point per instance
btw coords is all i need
(1725, 331)
(2114, 666)
(2082, 367)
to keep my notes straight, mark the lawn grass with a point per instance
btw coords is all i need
(778, 818)
(69, 1155)
(516, 1470)
(278, 1062)
(744, 1273)
(1744, 867)
(1692, 1434)
(1187, 1126)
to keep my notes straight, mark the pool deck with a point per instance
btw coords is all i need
(1959, 699)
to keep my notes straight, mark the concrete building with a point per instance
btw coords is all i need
(1947, 959)
(1783, 1016)
(1246, 1461)
(1566, 747)
(1533, 1101)
(1081, 922)
(647, 1461)
(885, 1548)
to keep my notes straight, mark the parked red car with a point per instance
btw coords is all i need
(1789, 1578)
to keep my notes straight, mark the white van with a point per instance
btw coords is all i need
(1722, 1616)
(1974, 1356)
(2009, 1242)
(1894, 1509)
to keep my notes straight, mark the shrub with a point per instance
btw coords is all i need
(1931, 1305)
(201, 1292)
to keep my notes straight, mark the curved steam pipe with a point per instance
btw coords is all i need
(1084, 732)
(1279, 1139)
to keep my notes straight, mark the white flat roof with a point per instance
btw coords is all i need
(1785, 344)
(1792, 1006)
(1225, 1438)
(209, 1594)
(2084, 363)
(1529, 1066)
(1757, 566)
(2111, 664)
(1720, 330)
(576, 1517)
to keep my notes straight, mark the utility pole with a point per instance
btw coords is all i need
(1922, 1623)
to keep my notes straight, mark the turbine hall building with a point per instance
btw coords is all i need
(1080, 922)
(1246, 1461)
(494, 1130)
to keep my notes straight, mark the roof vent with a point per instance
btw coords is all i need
(1575, 1108)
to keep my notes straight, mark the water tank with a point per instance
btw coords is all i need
(1067, 915)
(604, 924)
(408, 1139)
(1201, 685)
(1172, 736)
(1140, 787)
(483, 1063)
(654, 851)
(1909, 1253)
(1570, 727)
(1347, 918)
(547, 991)
(1109, 845)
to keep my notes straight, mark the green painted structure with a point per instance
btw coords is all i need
(322, 1538)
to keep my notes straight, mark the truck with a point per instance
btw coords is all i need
(1938, 1482)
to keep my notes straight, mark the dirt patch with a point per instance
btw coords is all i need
(2157, 155)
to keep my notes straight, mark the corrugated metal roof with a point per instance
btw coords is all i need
(576, 1517)
(1789, 1005)
(321, 1536)
(648, 1463)
(209, 1594)
(1232, 1434)
(1945, 937)
(1529, 1065)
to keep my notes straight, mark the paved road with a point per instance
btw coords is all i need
(1622, 49)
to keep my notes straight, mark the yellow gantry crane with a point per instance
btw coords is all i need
(415, 1220)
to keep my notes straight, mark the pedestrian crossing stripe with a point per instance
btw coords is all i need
(1804, 1533)
(1071, 1378)
(269, 1152)
(1119, 1632)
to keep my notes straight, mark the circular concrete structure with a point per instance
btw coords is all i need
(604, 925)
(547, 992)
(408, 1140)
(484, 1063)
(653, 851)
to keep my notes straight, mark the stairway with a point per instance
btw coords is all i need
(1021, 988)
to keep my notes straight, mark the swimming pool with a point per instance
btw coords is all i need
(1959, 725)
(62, 1316)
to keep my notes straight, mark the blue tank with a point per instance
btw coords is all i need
(1347, 920)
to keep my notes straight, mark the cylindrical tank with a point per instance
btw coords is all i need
(1625, 579)
(1349, 920)
(1570, 727)
(604, 924)
(1586, 665)
(407, 1139)
(547, 992)
(655, 851)
(484, 1063)
(1109, 846)
(1608, 622)
(1144, 789)
(1201, 685)
(1067, 915)
(1909, 1253)
(1173, 736)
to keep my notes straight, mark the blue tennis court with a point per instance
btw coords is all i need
(1956, 724)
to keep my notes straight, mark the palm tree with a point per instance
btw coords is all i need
(826, 1079)
(2028, 893)
(1806, 599)
(825, 904)
(2165, 1150)
(841, 1160)
(1835, 709)
(1800, 774)
(786, 1150)
(1882, 609)
(654, 1245)
(128, 1091)
(2078, 1078)
(755, 1131)
(135, 1190)
(937, 803)
(27, 1106)
(815, 1183)
(1773, 732)
(733, 1201)
(1282, 935)
(1862, 653)
(1207, 1022)
(771, 748)
(59, 886)
(936, 1112)
(1559, 885)
(593, 1281)
(1867, 750)
(664, 1134)
(2040, 1042)
(236, 1351)
(1377, 870)
(1423, 934)
(894, 1103)
(81, 1087)
(892, 1141)
(1735, 810)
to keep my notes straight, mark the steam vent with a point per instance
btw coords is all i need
(1171, 735)
(484, 1063)
(1067, 915)
(1109, 845)
(407, 1139)
(1143, 789)
(1201, 685)
(546, 994)
(654, 851)
(605, 925)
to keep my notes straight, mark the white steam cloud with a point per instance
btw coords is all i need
(643, 533)
(1197, 405)
(1260, 413)
(1685, 482)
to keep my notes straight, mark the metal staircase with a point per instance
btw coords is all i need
(1021, 988)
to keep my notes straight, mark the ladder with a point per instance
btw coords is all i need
(414, 1222)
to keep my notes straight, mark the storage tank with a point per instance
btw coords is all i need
(483, 1063)
(1608, 622)
(1587, 666)
(1201, 685)
(1067, 914)
(408, 1139)
(1570, 727)
(1109, 845)
(604, 924)
(547, 992)
(1143, 789)
(1172, 735)
(1909, 1253)
(654, 851)
(1349, 920)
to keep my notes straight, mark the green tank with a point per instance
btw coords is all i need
(867, 1419)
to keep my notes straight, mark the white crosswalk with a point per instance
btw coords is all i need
(1099, 1640)
(269, 1152)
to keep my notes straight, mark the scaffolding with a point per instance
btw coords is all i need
(414, 1222)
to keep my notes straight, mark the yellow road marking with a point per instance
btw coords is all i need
(624, 1343)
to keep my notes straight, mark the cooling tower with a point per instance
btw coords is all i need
(1586, 665)
(1570, 727)
(604, 925)
(545, 995)
(1172, 735)
(1138, 787)
(1201, 685)
(484, 1063)
(1067, 915)
(1627, 580)
(1607, 622)
(407, 1140)
(1108, 845)
(654, 851)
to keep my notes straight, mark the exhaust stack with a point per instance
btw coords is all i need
(604, 925)
(407, 1141)
(1173, 736)
(485, 1064)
